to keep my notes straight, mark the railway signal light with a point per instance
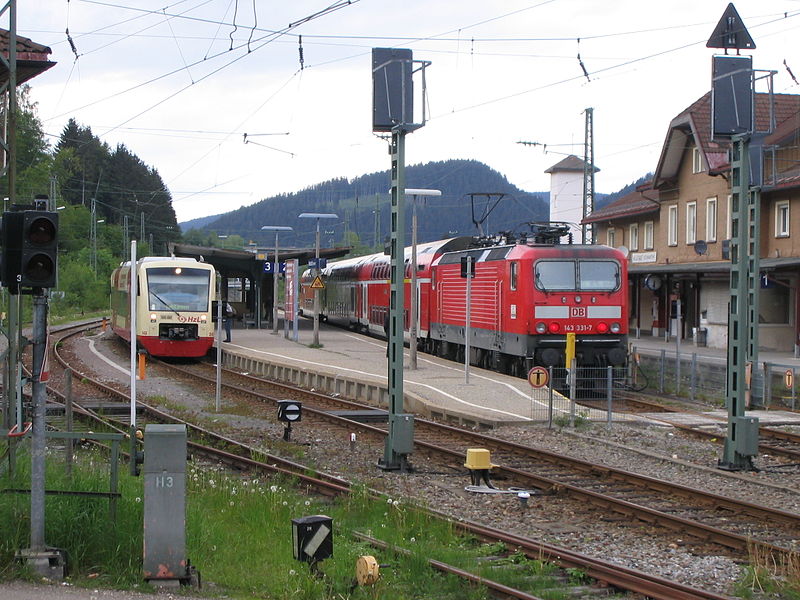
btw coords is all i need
(30, 249)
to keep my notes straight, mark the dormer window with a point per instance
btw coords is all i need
(697, 160)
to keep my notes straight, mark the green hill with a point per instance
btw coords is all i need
(363, 207)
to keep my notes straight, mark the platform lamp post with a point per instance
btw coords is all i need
(275, 273)
(415, 193)
(317, 216)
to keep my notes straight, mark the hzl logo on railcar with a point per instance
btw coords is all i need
(194, 319)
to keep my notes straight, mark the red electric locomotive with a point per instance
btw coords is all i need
(526, 295)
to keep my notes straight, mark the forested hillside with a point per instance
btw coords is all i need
(363, 207)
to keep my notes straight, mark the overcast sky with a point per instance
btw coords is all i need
(180, 84)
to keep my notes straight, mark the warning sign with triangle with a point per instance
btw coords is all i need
(730, 32)
(317, 283)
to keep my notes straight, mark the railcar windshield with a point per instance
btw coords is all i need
(178, 288)
(577, 275)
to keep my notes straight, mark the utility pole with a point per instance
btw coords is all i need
(376, 242)
(732, 121)
(587, 233)
(93, 236)
(392, 71)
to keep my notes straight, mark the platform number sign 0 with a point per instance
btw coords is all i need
(538, 377)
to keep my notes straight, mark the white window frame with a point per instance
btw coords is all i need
(611, 237)
(691, 222)
(711, 219)
(782, 219)
(697, 161)
(649, 229)
(633, 237)
(672, 225)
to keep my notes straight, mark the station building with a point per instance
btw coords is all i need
(677, 229)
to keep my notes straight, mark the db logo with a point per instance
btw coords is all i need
(577, 312)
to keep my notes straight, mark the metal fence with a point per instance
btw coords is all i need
(681, 374)
(581, 395)
(678, 374)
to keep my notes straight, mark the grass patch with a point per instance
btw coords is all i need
(239, 536)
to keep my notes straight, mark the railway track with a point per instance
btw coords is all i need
(771, 440)
(208, 443)
(738, 526)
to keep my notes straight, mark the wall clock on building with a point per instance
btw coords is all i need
(652, 282)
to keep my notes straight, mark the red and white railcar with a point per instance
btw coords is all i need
(173, 305)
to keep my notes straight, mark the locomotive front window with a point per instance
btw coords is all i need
(583, 275)
(598, 275)
(555, 275)
(178, 289)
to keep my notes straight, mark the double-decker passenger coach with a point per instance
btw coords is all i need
(173, 305)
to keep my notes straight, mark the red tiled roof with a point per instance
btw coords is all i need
(32, 58)
(695, 122)
(643, 200)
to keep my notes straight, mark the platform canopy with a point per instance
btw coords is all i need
(247, 264)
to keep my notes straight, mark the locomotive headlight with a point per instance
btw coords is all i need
(203, 318)
(541, 328)
(615, 327)
(602, 327)
(554, 327)
(563, 299)
(153, 317)
(577, 299)
(594, 299)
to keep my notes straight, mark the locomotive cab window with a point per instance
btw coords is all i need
(514, 266)
(570, 275)
(555, 275)
(598, 275)
(178, 289)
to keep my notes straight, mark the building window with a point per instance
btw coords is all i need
(672, 225)
(782, 219)
(633, 237)
(691, 222)
(711, 219)
(611, 237)
(648, 235)
(697, 160)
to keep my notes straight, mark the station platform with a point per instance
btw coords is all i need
(355, 367)
(647, 344)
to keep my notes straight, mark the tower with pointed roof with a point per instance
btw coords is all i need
(566, 193)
